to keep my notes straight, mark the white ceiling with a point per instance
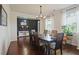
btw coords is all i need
(34, 9)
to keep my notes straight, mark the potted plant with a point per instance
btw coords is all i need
(69, 30)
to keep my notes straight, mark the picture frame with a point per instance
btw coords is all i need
(3, 16)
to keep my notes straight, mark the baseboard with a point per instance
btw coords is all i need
(8, 48)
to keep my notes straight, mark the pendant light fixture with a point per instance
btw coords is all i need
(41, 15)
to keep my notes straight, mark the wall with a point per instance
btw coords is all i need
(5, 32)
(57, 20)
(42, 25)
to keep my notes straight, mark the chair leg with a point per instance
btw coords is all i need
(55, 52)
(45, 49)
(61, 51)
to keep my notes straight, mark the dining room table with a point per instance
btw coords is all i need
(47, 39)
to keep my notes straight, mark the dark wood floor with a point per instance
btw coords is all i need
(23, 49)
(26, 49)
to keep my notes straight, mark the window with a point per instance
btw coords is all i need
(49, 24)
(70, 20)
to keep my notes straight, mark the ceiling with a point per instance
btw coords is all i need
(34, 9)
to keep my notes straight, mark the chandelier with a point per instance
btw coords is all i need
(40, 15)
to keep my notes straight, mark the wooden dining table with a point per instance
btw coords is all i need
(48, 40)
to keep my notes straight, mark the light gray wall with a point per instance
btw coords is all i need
(5, 32)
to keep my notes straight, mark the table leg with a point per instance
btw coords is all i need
(48, 50)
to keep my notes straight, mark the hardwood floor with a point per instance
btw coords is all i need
(26, 49)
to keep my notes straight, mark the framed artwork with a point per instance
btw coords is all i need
(3, 16)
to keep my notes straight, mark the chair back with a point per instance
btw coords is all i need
(36, 39)
(59, 40)
(60, 36)
(54, 33)
(45, 32)
(32, 37)
(33, 31)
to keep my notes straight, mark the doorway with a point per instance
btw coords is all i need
(25, 26)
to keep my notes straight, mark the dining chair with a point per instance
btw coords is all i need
(54, 33)
(36, 39)
(32, 39)
(31, 34)
(40, 44)
(45, 32)
(57, 43)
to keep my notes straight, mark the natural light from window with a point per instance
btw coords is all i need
(49, 24)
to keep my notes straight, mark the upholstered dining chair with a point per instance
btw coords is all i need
(54, 33)
(36, 39)
(45, 32)
(57, 44)
(31, 34)
(32, 39)
(40, 44)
